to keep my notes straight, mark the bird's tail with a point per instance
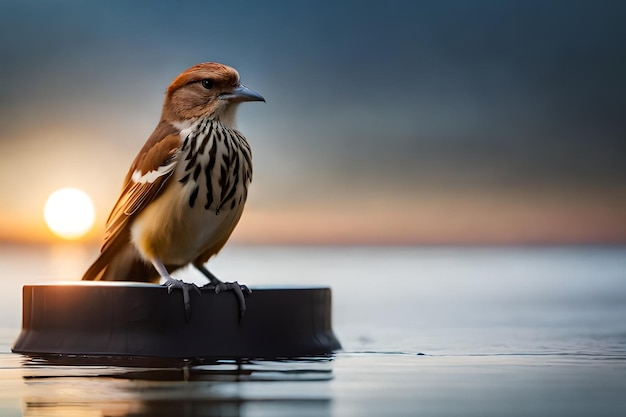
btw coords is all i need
(97, 269)
(120, 264)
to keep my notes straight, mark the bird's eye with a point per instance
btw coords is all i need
(207, 83)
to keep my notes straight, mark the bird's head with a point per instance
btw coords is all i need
(207, 89)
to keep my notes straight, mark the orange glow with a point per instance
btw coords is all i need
(365, 215)
(454, 223)
(429, 217)
(483, 219)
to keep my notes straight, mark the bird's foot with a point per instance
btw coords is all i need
(172, 284)
(240, 291)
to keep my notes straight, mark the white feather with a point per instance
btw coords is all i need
(151, 176)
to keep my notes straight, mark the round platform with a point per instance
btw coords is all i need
(143, 320)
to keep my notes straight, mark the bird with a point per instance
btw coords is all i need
(186, 189)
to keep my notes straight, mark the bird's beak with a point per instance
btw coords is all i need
(241, 93)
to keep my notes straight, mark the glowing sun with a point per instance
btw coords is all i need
(69, 213)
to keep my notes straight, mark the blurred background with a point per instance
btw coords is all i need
(399, 122)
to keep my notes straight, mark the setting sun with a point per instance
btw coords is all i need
(69, 213)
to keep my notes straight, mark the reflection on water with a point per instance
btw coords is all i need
(349, 384)
(58, 387)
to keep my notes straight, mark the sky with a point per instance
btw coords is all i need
(431, 122)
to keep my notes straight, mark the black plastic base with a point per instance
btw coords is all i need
(134, 319)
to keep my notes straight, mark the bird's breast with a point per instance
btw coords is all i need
(203, 200)
(214, 167)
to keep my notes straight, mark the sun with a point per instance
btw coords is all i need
(69, 213)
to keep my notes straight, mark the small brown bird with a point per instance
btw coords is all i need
(186, 189)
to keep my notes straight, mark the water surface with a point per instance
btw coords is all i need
(425, 331)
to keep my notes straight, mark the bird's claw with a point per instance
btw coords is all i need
(172, 284)
(240, 291)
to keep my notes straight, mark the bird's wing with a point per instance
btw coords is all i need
(149, 173)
